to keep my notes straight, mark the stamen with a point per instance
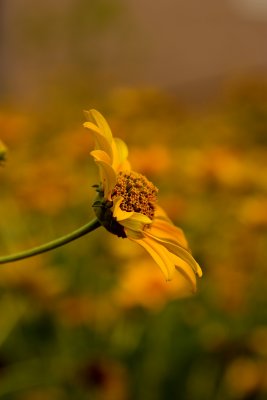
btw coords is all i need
(138, 193)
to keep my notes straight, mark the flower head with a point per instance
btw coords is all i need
(127, 206)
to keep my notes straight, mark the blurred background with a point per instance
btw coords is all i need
(184, 83)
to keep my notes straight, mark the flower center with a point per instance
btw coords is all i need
(138, 193)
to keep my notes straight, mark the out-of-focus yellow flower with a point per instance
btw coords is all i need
(42, 181)
(257, 341)
(3, 151)
(127, 205)
(139, 286)
(252, 372)
(253, 211)
(141, 159)
(41, 284)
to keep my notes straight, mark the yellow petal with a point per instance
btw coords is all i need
(179, 251)
(102, 143)
(125, 166)
(159, 254)
(134, 234)
(101, 123)
(93, 127)
(184, 255)
(136, 222)
(166, 230)
(100, 155)
(118, 213)
(160, 213)
(184, 269)
(108, 178)
(120, 152)
(163, 222)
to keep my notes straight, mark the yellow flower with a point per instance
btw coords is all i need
(126, 205)
(3, 151)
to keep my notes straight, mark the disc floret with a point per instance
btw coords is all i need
(138, 193)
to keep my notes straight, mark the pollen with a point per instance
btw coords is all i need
(138, 193)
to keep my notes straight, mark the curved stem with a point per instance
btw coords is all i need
(92, 225)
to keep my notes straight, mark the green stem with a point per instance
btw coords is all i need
(92, 225)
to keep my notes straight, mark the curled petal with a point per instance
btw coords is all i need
(101, 123)
(134, 234)
(160, 254)
(114, 147)
(118, 213)
(136, 222)
(102, 143)
(93, 127)
(100, 155)
(132, 221)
